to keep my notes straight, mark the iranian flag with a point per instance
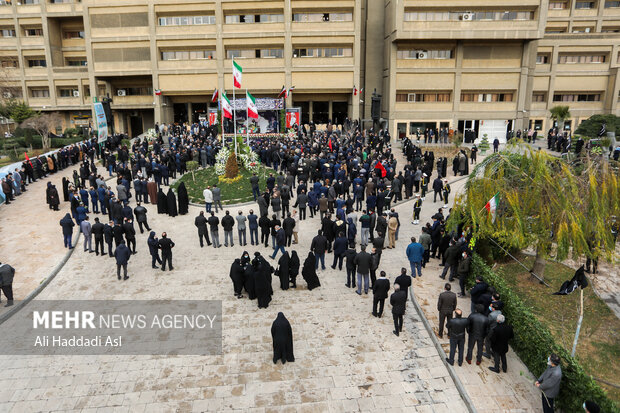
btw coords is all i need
(226, 107)
(214, 96)
(491, 206)
(251, 101)
(237, 72)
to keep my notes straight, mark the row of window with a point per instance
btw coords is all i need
(38, 32)
(577, 97)
(188, 55)
(424, 54)
(254, 18)
(467, 16)
(445, 96)
(71, 92)
(580, 5)
(323, 52)
(254, 53)
(543, 59)
(424, 97)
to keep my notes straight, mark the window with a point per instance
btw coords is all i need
(464, 15)
(29, 2)
(7, 32)
(135, 91)
(271, 53)
(539, 97)
(37, 63)
(486, 97)
(577, 97)
(33, 32)
(67, 92)
(542, 59)
(589, 29)
(241, 54)
(76, 61)
(254, 18)
(424, 54)
(9, 63)
(322, 17)
(188, 55)
(323, 52)
(610, 29)
(186, 20)
(555, 30)
(423, 97)
(39, 93)
(73, 35)
(612, 4)
(573, 59)
(271, 18)
(558, 5)
(87, 91)
(584, 5)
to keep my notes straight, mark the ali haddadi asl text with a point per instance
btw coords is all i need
(78, 341)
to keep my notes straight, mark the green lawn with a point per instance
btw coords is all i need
(599, 341)
(235, 193)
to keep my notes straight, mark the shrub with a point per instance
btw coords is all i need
(533, 342)
(232, 167)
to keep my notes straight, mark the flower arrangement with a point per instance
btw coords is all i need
(150, 134)
(223, 179)
(220, 160)
(249, 161)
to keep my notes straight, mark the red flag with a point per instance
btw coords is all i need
(282, 92)
(28, 159)
(330, 144)
(354, 91)
(215, 96)
(381, 168)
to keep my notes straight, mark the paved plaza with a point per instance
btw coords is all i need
(346, 360)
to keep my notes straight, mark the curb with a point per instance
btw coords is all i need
(459, 386)
(21, 304)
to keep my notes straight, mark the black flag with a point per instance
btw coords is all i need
(578, 280)
(603, 130)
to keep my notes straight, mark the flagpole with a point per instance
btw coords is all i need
(221, 108)
(233, 108)
(572, 353)
(247, 121)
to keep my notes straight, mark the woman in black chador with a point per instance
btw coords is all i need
(293, 268)
(262, 280)
(162, 202)
(309, 272)
(183, 199)
(172, 203)
(236, 275)
(283, 271)
(282, 335)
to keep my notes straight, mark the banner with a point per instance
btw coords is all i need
(212, 116)
(293, 117)
(261, 104)
(102, 124)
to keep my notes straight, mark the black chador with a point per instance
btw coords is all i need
(183, 199)
(282, 335)
(236, 275)
(262, 281)
(162, 202)
(309, 272)
(293, 268)
(283, 271)
(172, 203)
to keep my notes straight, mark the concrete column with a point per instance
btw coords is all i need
(357, 59)
(456, 98)
(330, 110)
(288, 51)
(310, 110)
(190, 112)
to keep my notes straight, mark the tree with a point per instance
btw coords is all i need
(232, 167)
(17, 110)
(543, 204)
(43, 123)
(192, 166)
(592, 126)
(560, 114)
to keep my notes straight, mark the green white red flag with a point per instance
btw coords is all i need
(252, 109)
(237, 72)
(226, 107)
(491, 206)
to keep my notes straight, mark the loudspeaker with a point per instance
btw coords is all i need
(375, 108)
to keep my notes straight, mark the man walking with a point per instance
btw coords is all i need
(6, 283)
(456, 330)
(165, 245)
(415, 254)
(549, 382)
(379, 294)
(398, 300)
(201, 223)
(86, 229)
(392, 227)
(499, 337)
(280, 241)
(362, 261)
(140, 213)
(122, 255)
(67, 230)
(241, 231)
(318, 247)
(446, 304)
(477, 329)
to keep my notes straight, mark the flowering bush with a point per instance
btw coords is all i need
(220, 160)
(150, 134)
(249, 161)
(223, 179)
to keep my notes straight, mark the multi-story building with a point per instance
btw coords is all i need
(477, 64)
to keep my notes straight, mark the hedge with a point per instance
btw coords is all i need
(533, 342)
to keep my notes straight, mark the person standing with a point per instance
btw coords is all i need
(398, 300)
(426, 241)
(446, 304)
(108, 236)
(463, 270)
(140, 213)
(165, 244)
(228, 223)
(499, 338)
(241, 228)
(404, 281)
(217, 198)
(282, 336)
(253, 225)
(130, 235)
(280, 241)
(340, 247)
(477, 329)
(208, 196)
(6, 283)
(456, 330)
(201, 223)
(265, 225)
(365, 231)
(451, 262)
(295, 217)
(86, 229)
(392, 227)
(302, 203)
(380, 291)
(495, 145)
(362, 261)
(153, 244)
(549, 382)
(415, 254)
(214, 223)
(97, 230)
(417, 207)
(318, 247)
(122, 255)
(288, 224)
(67, 225)
(254, 185)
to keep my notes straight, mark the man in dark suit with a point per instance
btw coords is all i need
(456, 330)
(398, 300)
(122, 255)
(130, 235)
(97, 230)
(477, 329)
(404, 281)
(201, 223)
(165, 244)
(380, 293)
(108, 236)
(501, 334)
(340, 247)
(446, 304)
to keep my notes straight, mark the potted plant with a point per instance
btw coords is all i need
(484, 144)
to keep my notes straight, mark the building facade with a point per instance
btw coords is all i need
(482, 65)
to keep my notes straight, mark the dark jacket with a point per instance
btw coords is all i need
(478, 325)
(6, 275)
(457, 327)
(500, 335)
(214, 222)
(319, 244)
(398, 300)
(446, 303)
(350, 256)
(140, 213)
(404, 281)
(165, 245)
(67, 225)
(252, 221)
(153, 244)
(381, 288)
(476, 292)
(280, 237)
(201, 223)
(340, 245)
(463, 268)
(228, 223)
(97, 230)
(452, 255)
(363, 261)
(122, 254)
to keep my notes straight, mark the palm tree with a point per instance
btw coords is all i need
(560, 114)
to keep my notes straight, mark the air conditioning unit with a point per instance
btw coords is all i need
(467, 17)
(121, 92)
(423, 55)
(76, 93)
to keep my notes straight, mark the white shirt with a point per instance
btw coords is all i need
(208, 195)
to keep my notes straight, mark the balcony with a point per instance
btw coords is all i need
(70, 69)
(525, 29)
(132, 101)
(319, 62)
(33, 41)
(256, 29)
(186, 31)
(257, 63)
(70, 101)
(323, 27)
(204, 64)
(425, 63)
